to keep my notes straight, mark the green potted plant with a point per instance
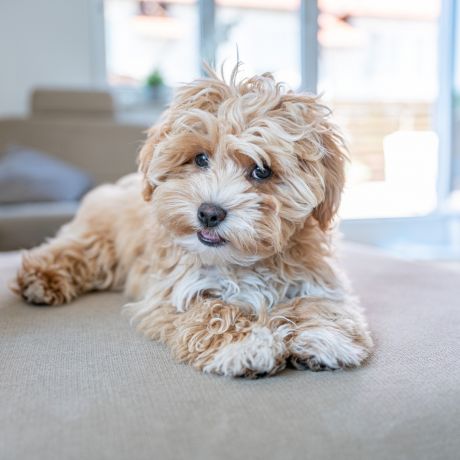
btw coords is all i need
(155, 85)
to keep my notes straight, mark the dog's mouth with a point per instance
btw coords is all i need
(210, 238)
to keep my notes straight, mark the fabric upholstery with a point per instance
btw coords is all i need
(105, 149)
(26, 225)
(64, 102)
(77, 382)
(28, 175)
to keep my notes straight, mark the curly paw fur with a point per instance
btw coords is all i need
(42, 284)
(261, 353)
(328, 348)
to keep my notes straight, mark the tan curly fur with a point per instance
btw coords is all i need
(267, 292)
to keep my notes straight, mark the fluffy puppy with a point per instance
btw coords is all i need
(224, 238)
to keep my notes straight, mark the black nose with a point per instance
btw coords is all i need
(210, 214)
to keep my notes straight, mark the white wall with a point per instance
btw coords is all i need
(48, 43)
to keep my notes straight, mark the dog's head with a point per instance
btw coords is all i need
(234, 170)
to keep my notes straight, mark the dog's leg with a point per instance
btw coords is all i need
(310, 333)
(219, 338)
(95, 251)
(325, 334)
(67, 266)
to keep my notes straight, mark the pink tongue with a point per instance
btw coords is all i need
(211, 236)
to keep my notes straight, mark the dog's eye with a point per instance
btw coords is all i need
(259, 173)
(202, 160)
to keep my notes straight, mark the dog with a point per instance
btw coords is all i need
(224, 238)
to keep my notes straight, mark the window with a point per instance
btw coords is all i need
(378, 71)
(265, 34)
(145, 38)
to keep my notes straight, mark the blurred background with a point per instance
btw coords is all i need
(81, 80)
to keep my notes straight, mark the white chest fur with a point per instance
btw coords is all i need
(250, 288)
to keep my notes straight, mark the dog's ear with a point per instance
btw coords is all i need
(333, 162)
(322, 145)
(144, 160)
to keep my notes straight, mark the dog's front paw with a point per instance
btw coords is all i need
(320, 349)
(312, 363)
(261, 353)
(40, 284)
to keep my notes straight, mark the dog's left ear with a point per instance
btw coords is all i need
(333, 162)
(321, 146)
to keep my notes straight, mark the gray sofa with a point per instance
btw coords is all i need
(80, 128)
(77, 382)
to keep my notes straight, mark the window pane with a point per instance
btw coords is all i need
(264, 33)
(147, 36)
(378, 71)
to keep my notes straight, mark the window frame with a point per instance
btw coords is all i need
(444, 112)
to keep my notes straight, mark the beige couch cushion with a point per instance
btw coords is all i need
(26, 225)
(77, 382)
(75, 103)
(103, 148)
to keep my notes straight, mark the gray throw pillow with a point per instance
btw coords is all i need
(27, 175)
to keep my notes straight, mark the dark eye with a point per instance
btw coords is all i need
(259, 173)
(202, 160)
